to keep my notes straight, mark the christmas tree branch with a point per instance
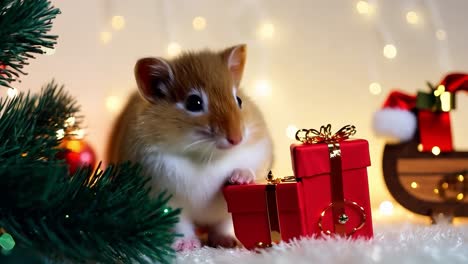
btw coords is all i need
(24, 27)
(113, 219)
(103, 216)
(29, 124)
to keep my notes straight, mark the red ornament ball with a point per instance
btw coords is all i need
(77, 153)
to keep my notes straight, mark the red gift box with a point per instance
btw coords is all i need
(266, 213)
(335, 187)
(435, 130)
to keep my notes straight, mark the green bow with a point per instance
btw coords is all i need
(437, 100)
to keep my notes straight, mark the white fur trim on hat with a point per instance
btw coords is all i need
(394, 123)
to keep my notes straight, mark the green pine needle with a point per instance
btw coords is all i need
(24, 27)
(90, 216)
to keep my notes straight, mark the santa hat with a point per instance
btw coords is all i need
(397, 121)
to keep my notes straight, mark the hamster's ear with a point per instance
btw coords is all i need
(235, 58)
(152, 75)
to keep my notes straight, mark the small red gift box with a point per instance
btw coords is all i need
(435, 131)
(264, 214)
(335, 186)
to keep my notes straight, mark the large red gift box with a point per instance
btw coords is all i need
(263, 214)
(335, 189)
(330, 194)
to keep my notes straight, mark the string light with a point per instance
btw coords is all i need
(173, 49)
(79, 133)
(375, 88)
(70, 121)
(199, 23)
(12, 92)
(414, 185)
(460, 196)
(420, 147)
(118, 22)
(267, 30)
(262, 88)
(436, 191)
(113, 104)
(60, 133)
(48, 51)
(441, 34)
(291, 131)
(364, 8)
(412, 17)
(435, 150)
(445, 185)
(460, 178)
(386, 208)
(389, 51)
(106, 37)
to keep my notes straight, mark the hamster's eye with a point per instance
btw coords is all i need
(239, 101)
(194, 103)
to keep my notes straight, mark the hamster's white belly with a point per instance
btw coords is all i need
(196, 188)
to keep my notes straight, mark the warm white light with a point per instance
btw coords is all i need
(267, 30)
(60, 133)
(436, 191)
(70, 121)
(173, 49)
(48, 51)
(420, 147)
(390, 51)
(12, 92)
(113, 104)
(199, 23)
(441, 34)
(460, 196)
(364, 8)
(414, 185)
(460, 178)
(446, 102)
(412, 17)
(79, 133)
(291, 131)
(386, 208)
(435, 150)
(118, 22)
(106, 37)
(375, 88)
(262, 88)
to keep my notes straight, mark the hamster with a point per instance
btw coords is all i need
(193, 129)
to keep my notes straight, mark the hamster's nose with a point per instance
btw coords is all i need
(234, 140)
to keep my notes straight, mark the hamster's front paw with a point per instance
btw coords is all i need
(186, 244)
(221, 240)
(242, 176)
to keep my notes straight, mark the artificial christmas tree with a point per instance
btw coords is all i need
(46, 212)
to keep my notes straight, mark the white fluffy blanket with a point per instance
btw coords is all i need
(405, 243)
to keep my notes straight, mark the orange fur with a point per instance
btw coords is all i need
(163, 124)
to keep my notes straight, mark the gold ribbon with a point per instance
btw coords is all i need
(324, 135)
(272, 208)
(338, 204)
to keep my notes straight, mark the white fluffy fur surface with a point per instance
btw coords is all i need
(401, 244)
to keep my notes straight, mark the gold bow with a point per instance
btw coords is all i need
(273, 180)
(312, 136)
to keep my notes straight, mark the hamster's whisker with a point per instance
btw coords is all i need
(211, 154)
(195, 143)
